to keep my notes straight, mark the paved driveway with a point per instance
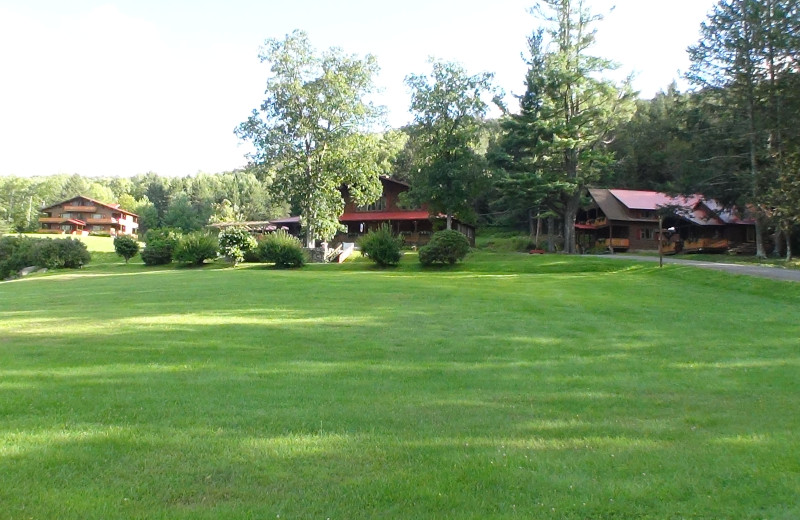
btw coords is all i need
(776, 273)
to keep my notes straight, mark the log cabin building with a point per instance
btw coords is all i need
(414, 225)
(628, 220)
(83, 215)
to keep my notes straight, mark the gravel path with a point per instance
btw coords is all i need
(776, 273)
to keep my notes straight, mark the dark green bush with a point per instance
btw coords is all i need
(15, 254)
(252, 255)
(195, 248)
(161, 244)
(381, 246)
(73, 254)
(282, 249)
(19, 252)
(126, 247)
(235, 242)
(445, 247)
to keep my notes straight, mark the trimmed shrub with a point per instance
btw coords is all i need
(126, 247)
(446, 247)
(73, 254)
(19, 252)
(161, 244)
(252, 255)
(282, 249)
(15, 254)
(195, 248)
(235, 243)
(381, 246)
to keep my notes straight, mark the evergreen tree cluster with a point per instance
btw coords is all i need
(734, 137)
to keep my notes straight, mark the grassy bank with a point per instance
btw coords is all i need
(511, 387)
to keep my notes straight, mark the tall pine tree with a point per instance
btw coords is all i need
(558, 143)
(747, 50)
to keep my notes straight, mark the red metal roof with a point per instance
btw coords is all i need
(384, 215)
(74, 221)
(652, 200)
(694, 208)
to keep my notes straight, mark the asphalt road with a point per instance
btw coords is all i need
(775, 273)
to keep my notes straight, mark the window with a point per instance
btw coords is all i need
(378, 205)
(97, 215)
(66, 215)
(66, 227)
(647, 233)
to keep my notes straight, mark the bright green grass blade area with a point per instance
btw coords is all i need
(510, 387)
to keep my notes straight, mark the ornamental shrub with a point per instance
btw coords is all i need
(19, 252)
(15, 253)
(235, 243)
(160, 246)
(65, 252)
(381, 246)
(195, 248)
(282, 249)
(126, 247)
(73, 254)
(446, 247)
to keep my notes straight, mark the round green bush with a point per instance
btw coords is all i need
(235, 242)
(195, 248)
(160, 246)
(126, 247)
(381, 246)
(446, 247)
(282, 249)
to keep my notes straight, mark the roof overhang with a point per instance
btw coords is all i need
(374, 216)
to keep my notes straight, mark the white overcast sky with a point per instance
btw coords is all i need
(120, 87)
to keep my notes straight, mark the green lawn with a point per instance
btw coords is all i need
(513, 386)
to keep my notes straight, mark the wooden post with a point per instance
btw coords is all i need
(611, 238)
(660, 241)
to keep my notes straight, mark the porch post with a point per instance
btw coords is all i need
(660, 240)
(611, 238)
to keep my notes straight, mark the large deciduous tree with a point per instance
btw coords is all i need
(313, 130)
(448, 107)
(569, 111)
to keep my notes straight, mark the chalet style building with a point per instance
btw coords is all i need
(82, 215)
(628, 220)
(415, 226)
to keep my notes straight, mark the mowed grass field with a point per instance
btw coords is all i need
(512, 386)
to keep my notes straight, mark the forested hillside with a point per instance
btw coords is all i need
(733, 134)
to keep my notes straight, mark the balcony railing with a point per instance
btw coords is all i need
(104, 220)
(616, 243)
(706, 244)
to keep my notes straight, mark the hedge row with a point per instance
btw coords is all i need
(17, 253)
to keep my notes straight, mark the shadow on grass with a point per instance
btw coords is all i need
(329, 393)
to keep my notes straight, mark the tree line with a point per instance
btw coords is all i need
(733, 137)
(186, 203)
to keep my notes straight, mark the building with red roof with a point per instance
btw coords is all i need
(83, 215)
(415, 225)
(624, 220)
